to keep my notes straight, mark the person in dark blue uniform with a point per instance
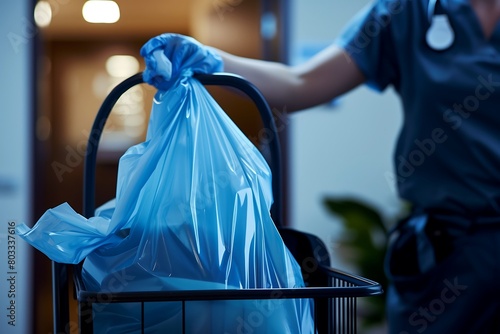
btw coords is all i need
(443, 59)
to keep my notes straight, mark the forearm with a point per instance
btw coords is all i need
(276, 81)
(324, 77)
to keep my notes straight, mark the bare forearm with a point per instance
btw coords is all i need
(327, 75)
(274, 80)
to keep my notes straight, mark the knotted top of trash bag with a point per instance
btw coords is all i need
(171, 56)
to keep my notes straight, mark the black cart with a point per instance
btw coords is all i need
(334, 292)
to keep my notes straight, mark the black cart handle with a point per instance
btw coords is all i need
(219, 79)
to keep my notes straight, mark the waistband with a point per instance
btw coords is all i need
(454, 225)
(457, 220)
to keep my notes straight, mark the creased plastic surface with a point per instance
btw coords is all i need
(191, 212)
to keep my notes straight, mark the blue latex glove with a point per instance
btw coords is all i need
(170, 56)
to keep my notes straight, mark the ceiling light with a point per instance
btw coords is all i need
(43, 14)
(122, 66)
(101, 11)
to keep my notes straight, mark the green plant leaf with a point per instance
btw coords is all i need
(356, 210)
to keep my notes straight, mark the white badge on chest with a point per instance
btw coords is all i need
(440, 35)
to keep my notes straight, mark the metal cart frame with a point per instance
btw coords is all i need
(334, 292)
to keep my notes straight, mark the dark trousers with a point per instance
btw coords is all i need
(459, 293)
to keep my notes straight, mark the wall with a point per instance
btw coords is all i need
(16, 42)
(339, 150)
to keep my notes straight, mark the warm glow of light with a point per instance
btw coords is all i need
(43, 14)
(101, 11)
(122, 66)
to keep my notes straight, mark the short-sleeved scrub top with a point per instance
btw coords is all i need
(447, 157)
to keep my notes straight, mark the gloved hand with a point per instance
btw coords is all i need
(170, 56)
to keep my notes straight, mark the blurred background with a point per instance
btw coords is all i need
(58, 62)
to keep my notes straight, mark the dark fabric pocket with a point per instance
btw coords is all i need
(402, 262)
(402, 256)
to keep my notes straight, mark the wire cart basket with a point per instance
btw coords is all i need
(334, 292)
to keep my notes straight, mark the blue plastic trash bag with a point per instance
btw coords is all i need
(191, 212)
